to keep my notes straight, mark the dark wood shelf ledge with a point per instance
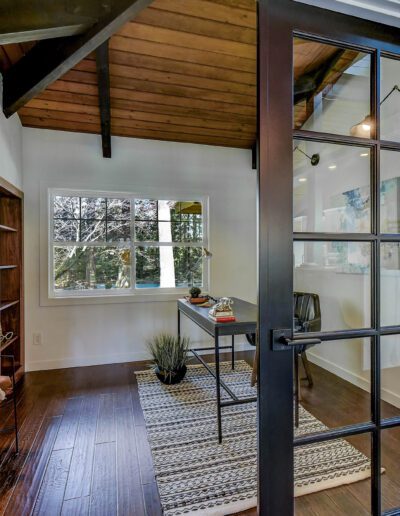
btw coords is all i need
(7, 229)
(4, 267)
(7, 304)
(8, 343)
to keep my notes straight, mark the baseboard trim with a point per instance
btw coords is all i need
(84, 361)
(387, 395)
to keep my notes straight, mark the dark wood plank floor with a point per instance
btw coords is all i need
(84, 449)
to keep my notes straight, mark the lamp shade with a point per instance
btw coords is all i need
(363, 128)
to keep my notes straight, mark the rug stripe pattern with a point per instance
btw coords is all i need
(196, 475)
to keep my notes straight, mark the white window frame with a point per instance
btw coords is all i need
(133, 292)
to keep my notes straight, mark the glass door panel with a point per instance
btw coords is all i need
(331, 188)
(339, 274)
(331, 89)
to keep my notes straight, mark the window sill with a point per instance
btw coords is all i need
(151, 297)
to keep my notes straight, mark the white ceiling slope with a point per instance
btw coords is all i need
(384, 11)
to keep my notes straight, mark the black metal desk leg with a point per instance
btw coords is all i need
(218, 385)
(179, 323)
(233, 352)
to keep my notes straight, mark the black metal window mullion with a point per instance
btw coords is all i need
(376, 508)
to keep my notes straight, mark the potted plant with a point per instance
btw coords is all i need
(195, 297)
(195, 292)
(170, 355)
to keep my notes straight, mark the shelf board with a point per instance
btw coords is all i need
(4, 267)
(7, 304)
(8, 343)
(7, 229)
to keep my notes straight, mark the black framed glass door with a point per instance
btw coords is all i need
(329, 259)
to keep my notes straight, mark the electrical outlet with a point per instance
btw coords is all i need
(37, 339)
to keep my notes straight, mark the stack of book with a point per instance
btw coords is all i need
(225, 316)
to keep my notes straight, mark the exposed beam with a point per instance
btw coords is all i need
(103, 79)
(49, 59)
(307, 85)
(22, 26)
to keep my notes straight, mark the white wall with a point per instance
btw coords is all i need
(106, 333)
(10, 148)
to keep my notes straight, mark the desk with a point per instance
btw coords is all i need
(246, 322)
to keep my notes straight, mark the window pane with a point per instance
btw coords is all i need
(334, 377)
(66, 230)
(145, 209)
(331, 89)
(390, 192)
(118, 209)
(91, 268)
(390, 451)
(66, 207)
(339, 460)
(331, 188)
(118, 229)
(390, 284)
(93, 230)
(146, 231)
(390, 99)
(390, 376)
(93, 208)
(168, 267)
(178, 221)
(338, 273)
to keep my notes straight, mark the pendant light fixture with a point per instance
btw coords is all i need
(363, 128)
(314, 159)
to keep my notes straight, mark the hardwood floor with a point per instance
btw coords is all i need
(84, 449)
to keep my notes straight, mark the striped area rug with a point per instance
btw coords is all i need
(197, 476)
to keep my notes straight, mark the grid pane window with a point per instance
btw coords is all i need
(112, 243)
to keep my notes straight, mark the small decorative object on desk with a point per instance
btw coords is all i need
(170, 355)
(195, 296)
(222, 311)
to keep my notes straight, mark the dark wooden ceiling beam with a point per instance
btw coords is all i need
(50, 59)
(21, 28)
(103, 79)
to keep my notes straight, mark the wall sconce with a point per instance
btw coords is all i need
(363, 128)
(314, 159)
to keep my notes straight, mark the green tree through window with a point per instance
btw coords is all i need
(122, 243)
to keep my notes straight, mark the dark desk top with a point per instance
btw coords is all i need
(245, 313)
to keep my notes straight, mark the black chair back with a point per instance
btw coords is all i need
(307, 312)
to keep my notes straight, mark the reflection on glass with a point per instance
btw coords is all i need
(91, 268)
(339, 273)
(390, 283)
(390, 99)
(331, 374)
(331, 188)
(331, 89)
(390, 192)
(390, 375)
(169, 267)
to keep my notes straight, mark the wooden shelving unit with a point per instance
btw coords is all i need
(11, 277)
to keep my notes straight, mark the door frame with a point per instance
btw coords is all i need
(278, 22)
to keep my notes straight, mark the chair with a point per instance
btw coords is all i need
(307, 318)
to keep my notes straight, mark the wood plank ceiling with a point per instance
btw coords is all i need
(183, 70)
